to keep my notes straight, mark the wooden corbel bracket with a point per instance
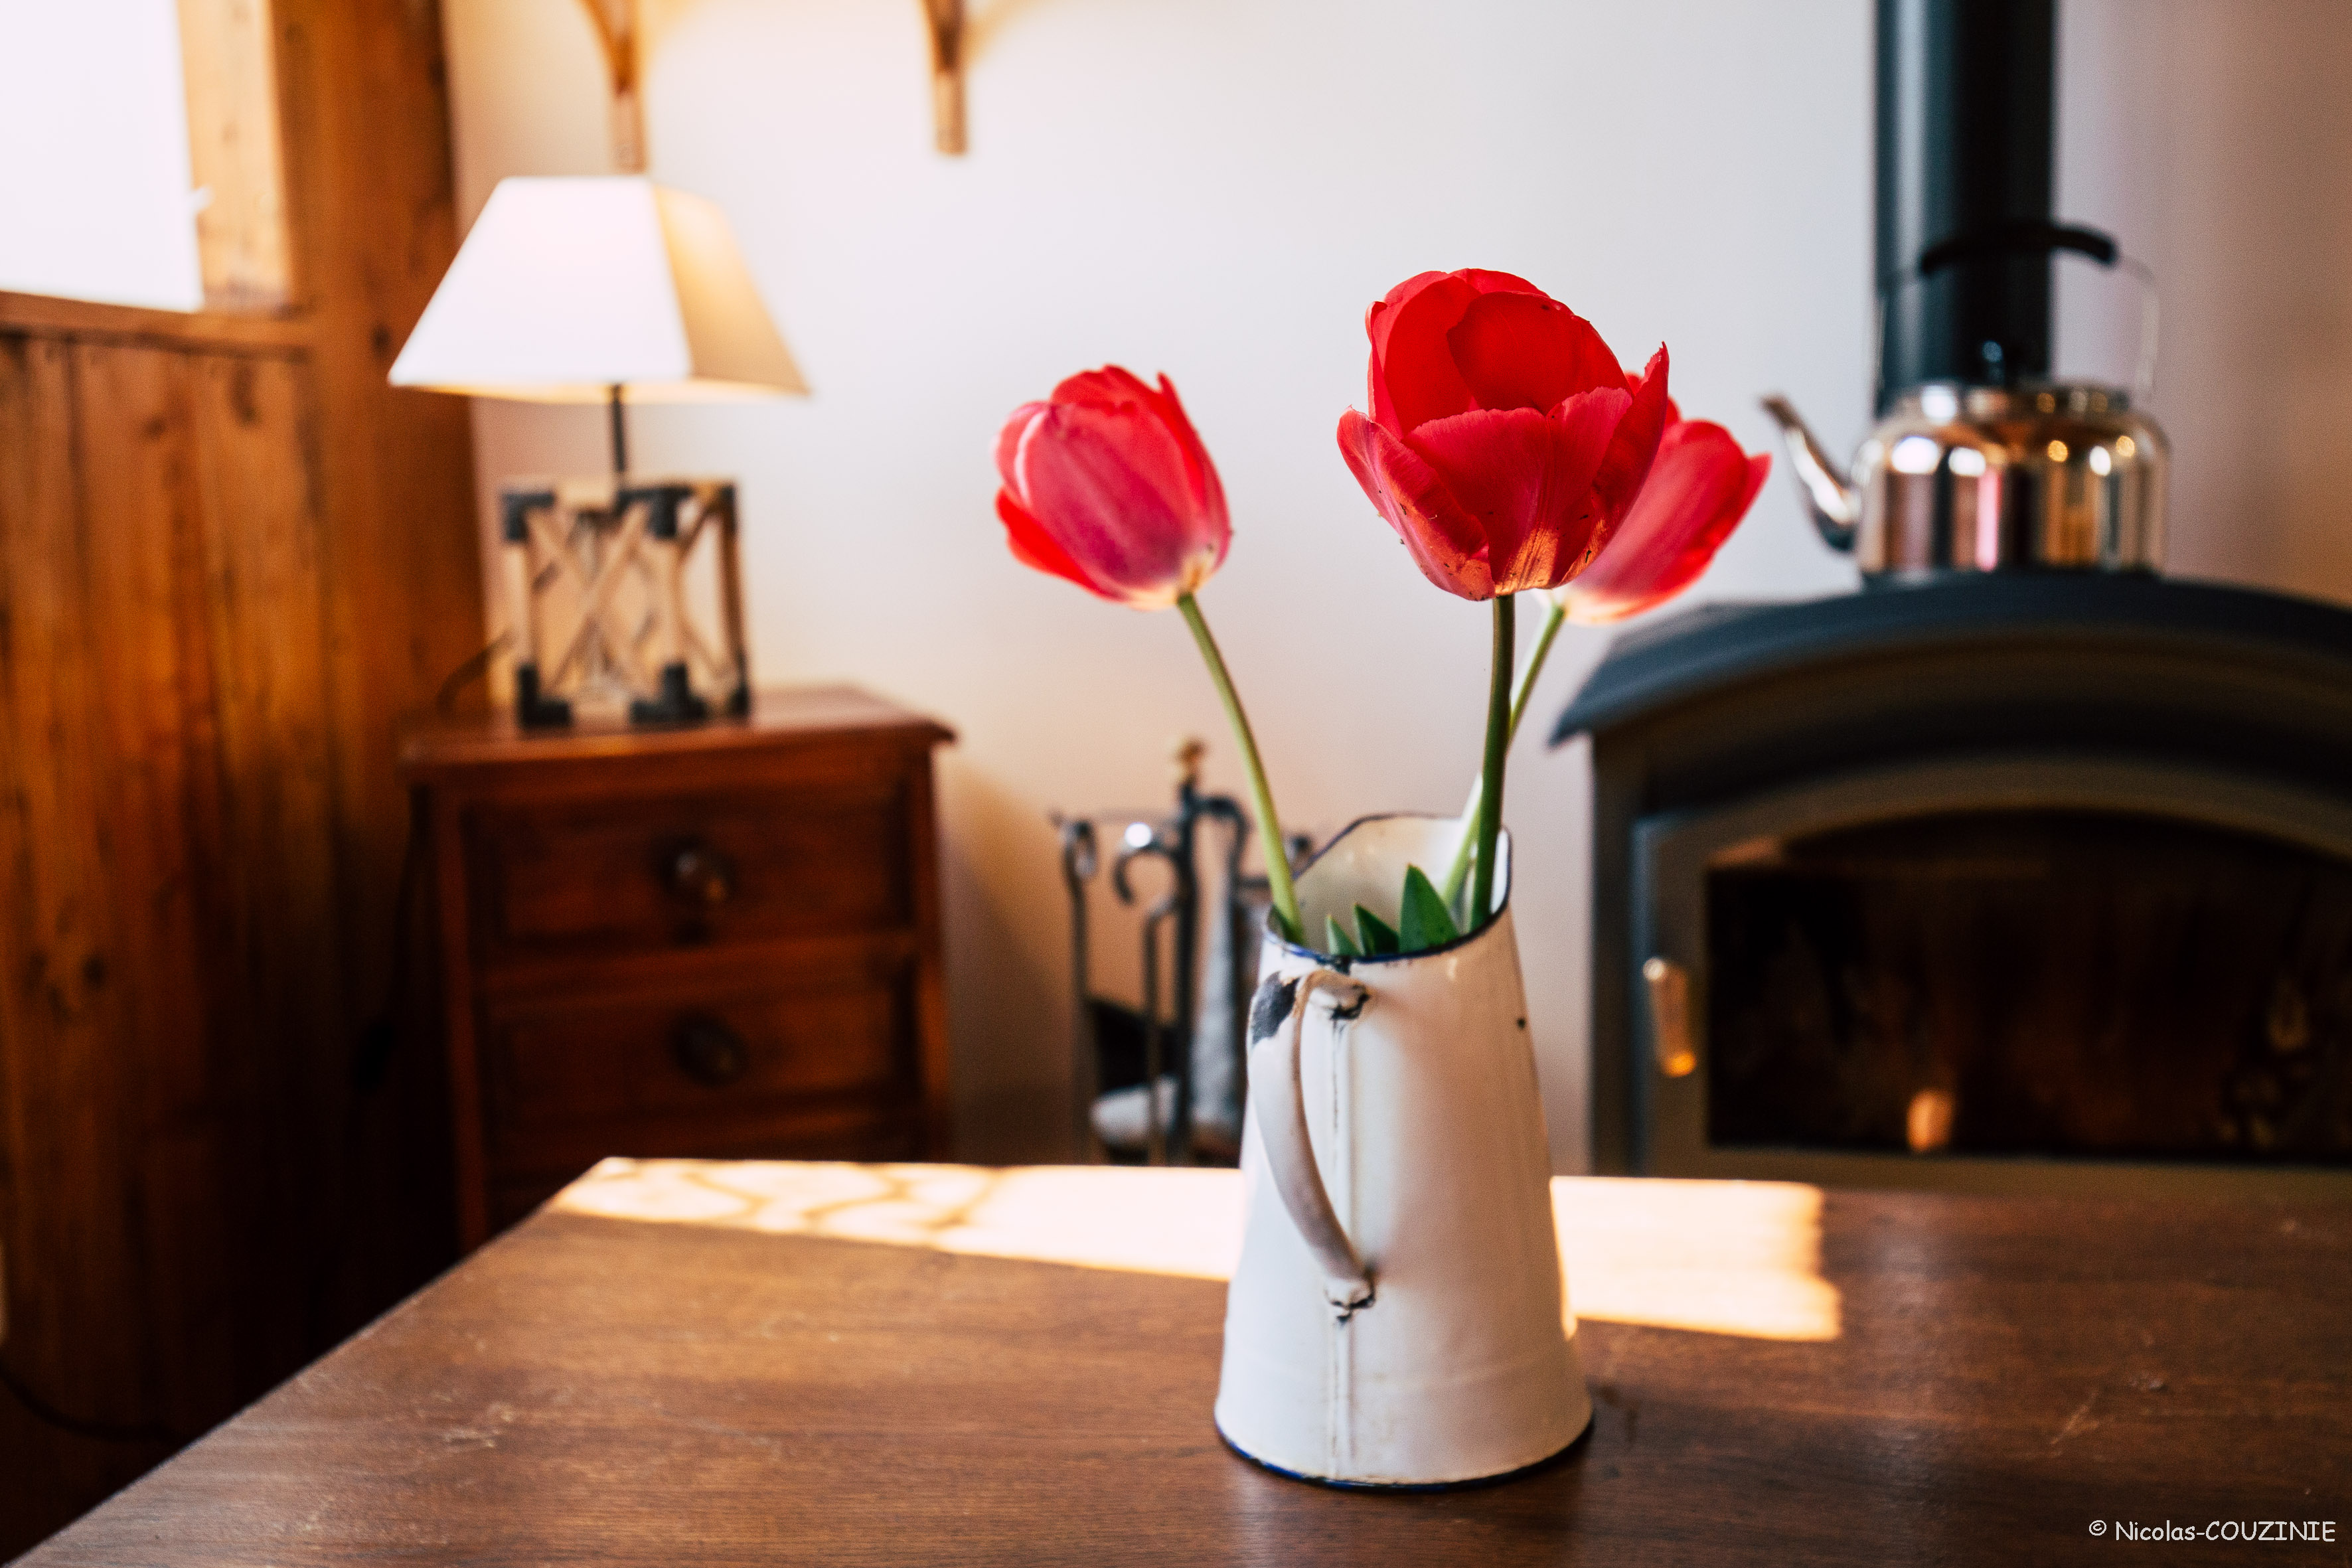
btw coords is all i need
(946, 18)
(615, 22)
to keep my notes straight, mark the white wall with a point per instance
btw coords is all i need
(94, 200)
(2216, 141)
(1217, 188)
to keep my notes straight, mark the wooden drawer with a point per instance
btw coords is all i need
(707, 941)
(701, 1074)
(690, 871)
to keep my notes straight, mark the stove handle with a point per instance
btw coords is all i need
(1670, 1016)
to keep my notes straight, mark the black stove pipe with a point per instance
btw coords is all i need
(1966, 110)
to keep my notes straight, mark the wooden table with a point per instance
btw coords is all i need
(683, 1364)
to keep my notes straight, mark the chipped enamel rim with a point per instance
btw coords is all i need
(1345, 962)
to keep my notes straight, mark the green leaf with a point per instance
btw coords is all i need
(1375, 935)
(1422, 920)
(1337, 943)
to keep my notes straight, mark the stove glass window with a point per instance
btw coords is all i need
(2033, 982)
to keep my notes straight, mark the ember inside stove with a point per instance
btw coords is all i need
(2022, 868)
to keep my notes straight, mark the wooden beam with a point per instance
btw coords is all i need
(364, 91)
(230, 66)
(231, 331)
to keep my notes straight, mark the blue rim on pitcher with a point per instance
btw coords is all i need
(1339, 1484)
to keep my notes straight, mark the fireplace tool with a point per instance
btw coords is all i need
(1162, 1083)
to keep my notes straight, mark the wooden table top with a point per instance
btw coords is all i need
(681, 1364)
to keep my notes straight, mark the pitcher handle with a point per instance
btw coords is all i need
(1290, 1151)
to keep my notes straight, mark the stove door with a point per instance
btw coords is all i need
(2050, 973)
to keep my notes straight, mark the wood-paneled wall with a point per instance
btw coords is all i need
(232, 562)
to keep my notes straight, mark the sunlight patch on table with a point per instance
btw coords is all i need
(1178, 1221)
(1724, 1258)
(1727, 1257)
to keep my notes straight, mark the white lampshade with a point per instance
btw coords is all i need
(569, 287)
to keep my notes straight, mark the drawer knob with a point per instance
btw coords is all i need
(702, 875)
(710, 1053)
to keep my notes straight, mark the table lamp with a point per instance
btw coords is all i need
(612, 289)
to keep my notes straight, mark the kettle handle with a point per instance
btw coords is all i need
(2030, 236)
(1290, 1151)
(2026, 236)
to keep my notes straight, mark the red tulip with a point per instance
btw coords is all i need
(1106, 484)
(1699, 487)
(1504, 440)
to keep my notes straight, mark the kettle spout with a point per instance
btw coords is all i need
(1836, 508)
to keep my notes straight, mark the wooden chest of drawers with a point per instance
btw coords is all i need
(721, 940)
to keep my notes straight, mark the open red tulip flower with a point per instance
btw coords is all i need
(1504, 438)
(1106, 484)
(1699, 487)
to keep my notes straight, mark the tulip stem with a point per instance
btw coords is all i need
(1458, 874)
(1269, 825)
(1490, 780)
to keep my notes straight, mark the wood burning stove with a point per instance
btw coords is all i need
(2022, 867)
(2004, 881)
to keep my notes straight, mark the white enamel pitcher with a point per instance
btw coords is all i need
(1396, 1317)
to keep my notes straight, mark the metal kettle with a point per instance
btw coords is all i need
(2006, 472)
(1962, 479)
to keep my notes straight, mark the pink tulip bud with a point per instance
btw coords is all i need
(1106, 484)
